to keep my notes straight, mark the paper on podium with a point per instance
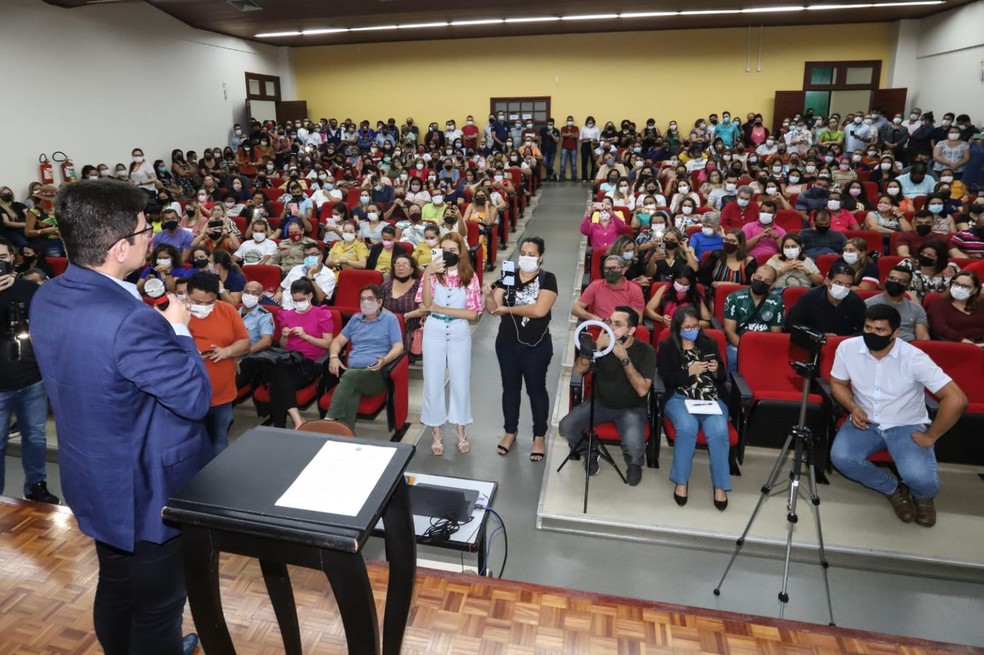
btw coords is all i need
(339, 479)
(702, 406)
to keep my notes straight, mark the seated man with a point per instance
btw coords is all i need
(910, 242)
(915, 324)
(179, 237)
(290, 251)
(754, 309)
(820, 239)
(312, 268)
(625, 376)
(603, 296)
(376, 342)
(258, 249)
(916, 182)
(881, 381)
(969, 243)
(832, 308)
(260, 327)
(740, 211)
(813, 198)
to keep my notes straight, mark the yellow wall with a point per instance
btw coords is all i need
(679, 74)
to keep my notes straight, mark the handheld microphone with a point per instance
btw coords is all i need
(156, 291)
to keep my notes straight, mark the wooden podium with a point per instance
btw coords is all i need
(232, 506)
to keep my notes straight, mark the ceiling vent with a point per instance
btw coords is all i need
(246, 5)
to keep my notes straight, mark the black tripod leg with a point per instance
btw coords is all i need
(824, 565)
(605, 454)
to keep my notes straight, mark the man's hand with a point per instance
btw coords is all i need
(923, 439)
(859, 419)
(375, 366)
(335, 366)
(176, 312)
(6, 281)
(619, 350)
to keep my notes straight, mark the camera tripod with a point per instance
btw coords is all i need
(801, 439)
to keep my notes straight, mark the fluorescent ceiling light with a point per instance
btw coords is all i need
(876, 5)
(533, 19)
(413, 26)
(480, 21)
(373, 28)
(590, 17)
(709, 12)
(327, 30)
(272, 35)
(648, 14)
(770, 10)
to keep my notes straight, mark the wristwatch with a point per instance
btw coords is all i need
(625, 362)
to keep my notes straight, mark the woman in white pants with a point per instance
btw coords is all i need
(451, 292)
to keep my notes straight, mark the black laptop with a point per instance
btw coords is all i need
(442, 502)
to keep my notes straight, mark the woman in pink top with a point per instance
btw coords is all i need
(306, 330)
(608, 228)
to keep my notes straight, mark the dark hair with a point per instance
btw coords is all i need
(202, 281)
(224, 259)
(93, 215)
(902, 267)
(939, 247)
(679, 316)
(541, 246)
(377, 291)
(302, 285)
(692, 298)
(633, 316)
(883, 312)
(11, 248)
(170, 250)
(840, 269)
(399, 254)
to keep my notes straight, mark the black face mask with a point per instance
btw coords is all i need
(7, 197)
(670, 245)
(170, 225)
(822, 229)
(926, 261)
(923, 230)
(730, 248)
(894, 289)
(876, 342)
(215, 235)
(760, 288)
(297, 197)
(201, 263)
(451, 259)
(402, 279)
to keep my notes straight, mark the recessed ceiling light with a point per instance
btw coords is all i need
(480, 21)
(771, 10)
(414, 26)
(326, 30)
(591, 17)
(373, 28)
(648, 14)
(273, 35)
(708, 12)
(533, 19)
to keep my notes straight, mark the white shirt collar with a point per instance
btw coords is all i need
(863, 349)
(128, 286)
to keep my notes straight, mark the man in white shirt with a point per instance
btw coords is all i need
(881, 380)
(260, 248)
(313, 268)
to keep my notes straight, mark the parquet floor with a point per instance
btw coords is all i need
(48, 576)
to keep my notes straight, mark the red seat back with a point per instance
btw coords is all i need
(789, 220)
(763, 361)
(350, 281)
(871, 237)
(824, 262)
(57, 265)
(964, 362)
(885, 264)
(791, 295)
(267, 275)
(721, 292)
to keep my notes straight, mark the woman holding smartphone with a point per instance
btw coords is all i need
(693, 372)
(450, 291)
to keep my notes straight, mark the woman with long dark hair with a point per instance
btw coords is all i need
(692, 370)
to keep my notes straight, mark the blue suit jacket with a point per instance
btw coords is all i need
(128, 395)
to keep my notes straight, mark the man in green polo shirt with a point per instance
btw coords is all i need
(754, 309)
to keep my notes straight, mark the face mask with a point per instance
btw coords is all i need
(884, 209)
(946, 179)
(627, 256)
(858, 120)
(852, 257)
(854, 192)
(811, 169)
(201, 263)
(369, 307)
(670, 245)
(833, 205)
(250, 301)
(730, 248)
(953, 135)
(923, 230)
(215, 235)
(528, 264)
(612, 277)
(348, 236)
(690, 335)
(683, 188)
(310, 261)
(137, 159)
(876, 342)
(771, 191)
(894, 289)
(765, 218)
(201, 311)
(431, 242)
(760, 288)
(936, 209)
(681, 289)
(742, 202)
(202, 197)
(822, 229)
(687, 210)
(171, 225)
(959, 294)
(791, 253)
(892, 191)
(451, 259)
(707, 231)
(794, 179)
(164, 262)
(302, 305)
(438, 199)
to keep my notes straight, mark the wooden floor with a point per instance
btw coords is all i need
(48, 578)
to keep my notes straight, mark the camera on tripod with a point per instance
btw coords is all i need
(812, 341)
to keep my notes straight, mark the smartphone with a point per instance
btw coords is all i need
(6, 268)
(437, 254)
(709, 358)
(215, 223)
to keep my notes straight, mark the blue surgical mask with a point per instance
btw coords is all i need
(311, 261)
(690, 335)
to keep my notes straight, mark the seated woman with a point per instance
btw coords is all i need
(958, 314)
(686, 214)
(231, 278)
(483, 212)
(855, 198)
(371, 229)
(932, 270)
(865, 268)
(794, 269)
(610, 183)
(350, 252)
(773, 191)
(642, 217)
(886, 217)
(307, 330)
(399, 294)
(731, 264)
(381, 254)
(603, 233)
(626, 246)
(41, 225)
(621, 196)
(893, 189)
(692, 370)
(684, 292)
(943, 223)
(670, 254)
(165, 264)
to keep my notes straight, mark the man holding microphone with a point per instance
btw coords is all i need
(129, 392)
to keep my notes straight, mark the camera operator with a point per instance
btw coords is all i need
(625, 376)
(832, 308)
(21, 390)
(881, 381)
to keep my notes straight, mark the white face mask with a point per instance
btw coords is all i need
(765, 218)
(791, 253)
(837, 292)
(959, 294)
(438, 199)
(852, 257)
(259, 237)
(138, 159)
(683, 189)
(833, 205)
(687, 209)
(302, 305)
(708, 231)
(348, 236)
(528, 264)
(201, 311)
(250, 301)
(164, 262)
(369, 308)
(946, 178)
(372, 216)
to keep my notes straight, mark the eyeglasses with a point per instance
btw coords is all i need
(145, 233)
(896, 279)
(367, 299)
(965, 287)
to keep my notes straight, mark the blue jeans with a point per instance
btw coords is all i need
(217, 423)
(30, 406)
(548, 162)
(732, 357)
(568, 156)
(630, 423)
(715, 428)
(916, 465)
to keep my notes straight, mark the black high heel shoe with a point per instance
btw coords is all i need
(721, 504)
(680, 500)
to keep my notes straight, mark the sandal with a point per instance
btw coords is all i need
(538, 455)
(463, 445)
(437, 447)
(503, 450)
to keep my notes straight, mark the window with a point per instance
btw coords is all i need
(841, 75)
(536, 108)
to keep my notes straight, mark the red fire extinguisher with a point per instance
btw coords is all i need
(67, 167)
(46, 170)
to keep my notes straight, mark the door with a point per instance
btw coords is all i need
(787, 104)
(890, 101)
(292, 110)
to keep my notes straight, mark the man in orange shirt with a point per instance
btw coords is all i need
(221, 337)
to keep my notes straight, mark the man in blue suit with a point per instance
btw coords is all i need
(129, 391)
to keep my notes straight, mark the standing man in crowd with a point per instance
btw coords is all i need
(21, 390)
(129, 392)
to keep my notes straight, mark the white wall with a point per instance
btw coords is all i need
(97, 81)
(949, 63)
